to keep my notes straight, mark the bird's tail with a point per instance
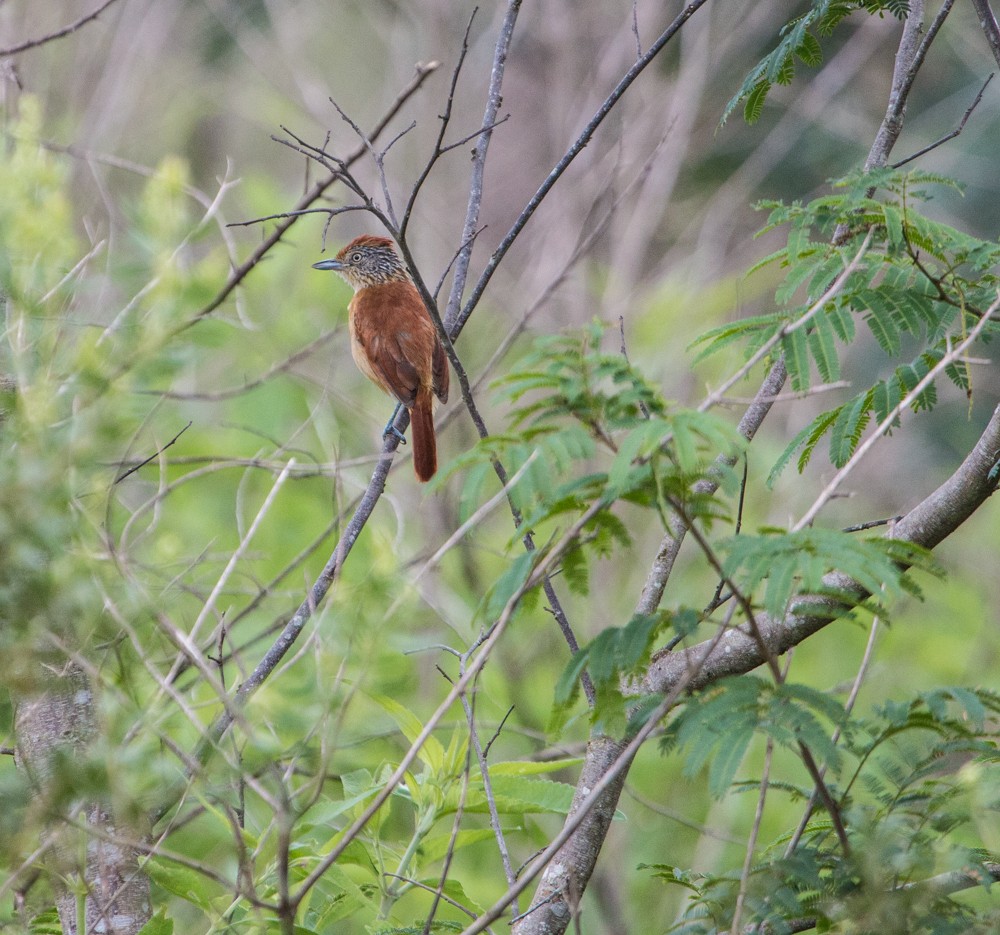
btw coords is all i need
(424, 443)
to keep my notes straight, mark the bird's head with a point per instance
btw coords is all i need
(366, 261)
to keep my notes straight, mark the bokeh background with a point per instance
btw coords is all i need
(207, 84)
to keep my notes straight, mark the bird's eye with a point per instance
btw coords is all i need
(355, 257)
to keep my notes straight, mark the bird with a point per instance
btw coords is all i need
(393, 340)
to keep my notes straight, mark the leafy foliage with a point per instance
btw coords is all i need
(909, 781)
(717, 726)
(615, 654)
(918, 281)
(800, 40)
(588, 429)
(786, 565)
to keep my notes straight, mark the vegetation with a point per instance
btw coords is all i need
(643, 656)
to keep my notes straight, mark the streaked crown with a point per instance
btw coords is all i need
(370, 261)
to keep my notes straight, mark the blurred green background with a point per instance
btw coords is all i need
(190, 93)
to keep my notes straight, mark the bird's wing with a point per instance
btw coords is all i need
(391, 336)
(440, 371)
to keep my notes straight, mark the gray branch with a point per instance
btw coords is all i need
(928, 524)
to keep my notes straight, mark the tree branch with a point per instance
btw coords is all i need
(423, 71)
(453, 315)
(926, 525)
(58, 34)
(493, 99)
(988, 24)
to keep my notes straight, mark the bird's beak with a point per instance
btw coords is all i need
(333, 263)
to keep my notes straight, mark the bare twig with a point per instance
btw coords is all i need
(456, 318)
(153, 456)
(209, 605)
(471, 224)
(445, 119)
(58, 34)
(491, 802)
(988, 24)
(314, 194)
(848, 707)
(949, 136)
(751, 844)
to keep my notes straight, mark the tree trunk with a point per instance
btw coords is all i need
(93, 876)
(557, 898)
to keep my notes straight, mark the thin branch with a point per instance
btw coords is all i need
(751, 844)
(493, 99)
(153, 456)
(58, 34)
(871, 524)
(909, 57)
(331, 212)
(209, 605)
(491, 802)
(816, 389)
(456, 319)
(423, 71)
(954, 133)
(988, 24)
(445, 119)
(378, 157)
(887, 423)
(475, 133)
(848, 707)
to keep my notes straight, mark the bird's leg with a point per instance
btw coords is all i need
(390, 426)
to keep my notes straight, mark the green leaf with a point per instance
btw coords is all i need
(668, 874)
(46, 923)
(850, 424)
(823, 347)
(509, 584)
(159, 924)
(893, 225)
(809, 50)
(519, 795)
(432, 752)
(754, 105)
(727, 760)
(437, 846)
(533, 767)
(809, 437)
(188, 884)
(795, 347)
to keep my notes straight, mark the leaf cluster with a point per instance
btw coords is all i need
(784, 565)
(586, 428)
(800, 40)
(918, 283)
(903, 783)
